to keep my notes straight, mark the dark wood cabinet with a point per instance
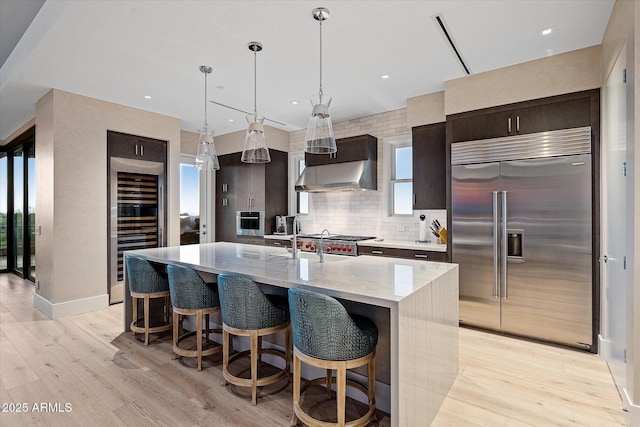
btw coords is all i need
(421, 255)
(136, 147)
(554, 113)
(242, 186)
(429, 166)
(351, 149)
(226, 205)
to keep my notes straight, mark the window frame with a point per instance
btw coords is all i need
(393, 146)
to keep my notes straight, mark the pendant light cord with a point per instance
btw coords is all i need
(206, 127)
(320, 58)
(255, 85)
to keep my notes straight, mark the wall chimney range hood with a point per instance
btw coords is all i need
(353, 168)
(349, 176)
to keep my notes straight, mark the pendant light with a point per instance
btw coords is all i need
(319, 138)
(206, 157)
(255, 143)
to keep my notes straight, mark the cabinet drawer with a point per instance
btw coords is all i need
(282, 243)
(403, 253)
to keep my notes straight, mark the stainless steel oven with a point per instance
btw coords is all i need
(250, 223)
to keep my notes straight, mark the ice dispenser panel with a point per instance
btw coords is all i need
(515, 242)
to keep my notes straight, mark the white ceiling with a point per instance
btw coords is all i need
(120, 51)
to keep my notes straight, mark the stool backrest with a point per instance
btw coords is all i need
(189, 291)
(243, 305)
(143, 278)
(321, 326)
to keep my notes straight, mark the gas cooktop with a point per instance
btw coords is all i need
(334, 237)
(338, 244)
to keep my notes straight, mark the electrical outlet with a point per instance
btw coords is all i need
(37, 285)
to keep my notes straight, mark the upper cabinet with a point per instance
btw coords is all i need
(136, 147)
(362, 147)
(554, 113)
(429, 166)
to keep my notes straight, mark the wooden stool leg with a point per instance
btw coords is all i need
(134, 313)
(199, 338)
(176, 333)
(146, 320)
(254, 366)
(341, 384)
(206, 326)
(329, 377)
(296, 388)
(260, 351)
(225, 352)
(287, 352)
(372, 381)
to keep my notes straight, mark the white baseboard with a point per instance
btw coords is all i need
(631, 411)
(70, 308)
(604, 348)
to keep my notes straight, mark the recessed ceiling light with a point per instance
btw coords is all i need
(220, 87)
(230, 120)
(547, 31)
(384, 76)
(294, 102)
(147, 97)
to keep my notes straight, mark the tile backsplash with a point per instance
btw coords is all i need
(364, 212)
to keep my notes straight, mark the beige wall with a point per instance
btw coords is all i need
(425, 109)
(71, 135)
(624, 28)
(555, 75)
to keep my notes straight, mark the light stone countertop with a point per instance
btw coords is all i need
(384, 243)
(405, 244)
(371, 280)
(279, 236)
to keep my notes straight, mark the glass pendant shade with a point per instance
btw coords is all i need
(319, 138)
(255, 143)
(206, 156)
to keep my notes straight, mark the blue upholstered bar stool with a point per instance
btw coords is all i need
(247, 311)
(145, 283)
(326, 336)
(191, 296)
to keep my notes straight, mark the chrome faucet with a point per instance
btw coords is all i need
(294, 243)
(320, 251)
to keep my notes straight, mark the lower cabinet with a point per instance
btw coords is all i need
(403, 253)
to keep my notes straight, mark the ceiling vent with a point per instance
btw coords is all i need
(442, 26)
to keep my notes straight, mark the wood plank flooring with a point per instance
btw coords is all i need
(107, 378)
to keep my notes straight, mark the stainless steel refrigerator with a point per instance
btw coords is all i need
(522, 234)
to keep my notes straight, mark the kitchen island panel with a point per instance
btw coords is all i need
(427, 350)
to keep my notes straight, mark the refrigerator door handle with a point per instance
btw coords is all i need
(496, 257)
(504, 249)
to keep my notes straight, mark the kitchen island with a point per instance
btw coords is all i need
(419, 299)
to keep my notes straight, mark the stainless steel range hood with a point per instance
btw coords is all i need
(348, 176)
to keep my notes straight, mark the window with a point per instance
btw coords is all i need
(189, 204)
(401, 179)
(302, 197)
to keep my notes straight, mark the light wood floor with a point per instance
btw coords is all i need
(108, 378)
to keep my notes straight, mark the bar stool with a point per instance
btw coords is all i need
(146, 283)
(326, 336)
(191, 296)
(247, 311)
